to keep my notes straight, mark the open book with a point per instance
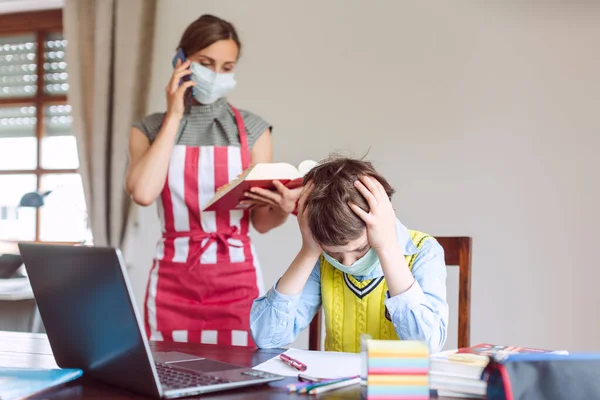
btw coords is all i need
(260, 175)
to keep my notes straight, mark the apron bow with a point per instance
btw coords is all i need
(221, 238)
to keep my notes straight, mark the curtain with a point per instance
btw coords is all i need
(109, 54)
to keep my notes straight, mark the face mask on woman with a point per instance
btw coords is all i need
(210, 86)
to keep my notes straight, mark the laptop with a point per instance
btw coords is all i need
(85, 300)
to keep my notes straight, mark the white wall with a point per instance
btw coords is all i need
(483, 116)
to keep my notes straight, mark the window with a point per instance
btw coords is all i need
(38, 151)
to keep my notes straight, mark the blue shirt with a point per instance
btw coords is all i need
(420, 313)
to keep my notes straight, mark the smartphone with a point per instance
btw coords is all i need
(180, 56)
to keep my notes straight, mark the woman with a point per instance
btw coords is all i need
(205, 275)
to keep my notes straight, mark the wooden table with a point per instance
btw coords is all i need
(31, 350)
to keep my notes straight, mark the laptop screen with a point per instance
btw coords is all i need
(88, 311)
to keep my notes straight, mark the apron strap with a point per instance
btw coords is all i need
(245, 149)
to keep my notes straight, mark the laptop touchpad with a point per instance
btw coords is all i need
(205, 365)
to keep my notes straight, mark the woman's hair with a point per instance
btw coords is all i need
(205, 31)
(331, 221)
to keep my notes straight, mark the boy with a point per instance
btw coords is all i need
(370, 273)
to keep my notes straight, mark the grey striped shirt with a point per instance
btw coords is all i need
(207, 125)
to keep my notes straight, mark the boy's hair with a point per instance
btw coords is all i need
(331, 221)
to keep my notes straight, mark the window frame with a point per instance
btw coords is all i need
(41, 24)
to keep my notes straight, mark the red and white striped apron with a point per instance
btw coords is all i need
(205, 274)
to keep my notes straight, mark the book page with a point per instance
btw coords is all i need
(306, 166)
(272, 171)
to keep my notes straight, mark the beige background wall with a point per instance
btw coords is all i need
(484, 117)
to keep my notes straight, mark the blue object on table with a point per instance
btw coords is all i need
(17, 383)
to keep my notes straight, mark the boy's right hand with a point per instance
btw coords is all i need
(174, 92)
(294, 279)
(309, 244)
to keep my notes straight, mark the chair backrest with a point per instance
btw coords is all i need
(457, 250)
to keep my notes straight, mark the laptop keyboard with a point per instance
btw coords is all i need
(174, 378)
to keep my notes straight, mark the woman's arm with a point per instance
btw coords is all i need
(277, 205)
(148, 164)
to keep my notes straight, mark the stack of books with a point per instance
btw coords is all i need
(458, 373)
(397, 369)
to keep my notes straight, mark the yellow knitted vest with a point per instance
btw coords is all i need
(353, 308)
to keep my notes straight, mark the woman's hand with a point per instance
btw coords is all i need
(174, 92)
(281, 198)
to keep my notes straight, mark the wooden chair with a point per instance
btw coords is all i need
(457, 250)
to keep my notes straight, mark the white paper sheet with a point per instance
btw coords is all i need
(321, 364)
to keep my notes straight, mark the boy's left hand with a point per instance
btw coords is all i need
(381, 219)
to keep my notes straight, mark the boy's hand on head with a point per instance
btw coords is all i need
(294, 279)
(308, 242)
(381, 219)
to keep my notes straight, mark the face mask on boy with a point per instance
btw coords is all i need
(361, 267)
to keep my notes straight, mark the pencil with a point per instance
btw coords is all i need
(310, 386)
(294, 387)
(306, 378)
(334, 386)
